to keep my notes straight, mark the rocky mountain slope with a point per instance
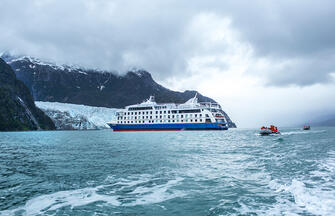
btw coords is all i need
(69, 84)
(17, 108)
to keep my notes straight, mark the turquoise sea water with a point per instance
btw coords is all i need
(234, 172)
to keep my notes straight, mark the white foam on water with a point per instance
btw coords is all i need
(317, 198)
(139, 191)
(54, 201)
(326, 170)
(156, 194)
(313, 200)
(306, 200)
(302, 132)
(311, 194)
(144, 191)
(282, 210)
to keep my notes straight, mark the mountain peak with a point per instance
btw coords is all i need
(33, 61)
(92, 87)
(139, 73)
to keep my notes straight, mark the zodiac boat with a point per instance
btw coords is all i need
(307, 127)
(269, 130)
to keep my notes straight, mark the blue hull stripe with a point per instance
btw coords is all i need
(191, 126)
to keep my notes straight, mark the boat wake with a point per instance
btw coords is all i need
(314, 194)
(313, 200)
(138, 190)
(302, 132)
(295, 132)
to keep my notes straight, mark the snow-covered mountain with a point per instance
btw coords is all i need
(52, 82)
(76, 85)
(33, 62)
(77, 117)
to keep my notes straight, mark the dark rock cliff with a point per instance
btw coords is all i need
(17, 107)
(66, 84)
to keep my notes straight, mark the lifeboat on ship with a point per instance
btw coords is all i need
(269, 130)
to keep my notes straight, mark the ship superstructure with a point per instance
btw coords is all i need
(190, 115)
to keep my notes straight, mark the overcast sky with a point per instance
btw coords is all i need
(265, 61)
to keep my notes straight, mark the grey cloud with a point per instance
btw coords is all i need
(151, 34)
(284, 31)
(303, 72)
(105, 34)
(286, 27)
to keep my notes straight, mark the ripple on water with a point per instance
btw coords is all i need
(232, 172)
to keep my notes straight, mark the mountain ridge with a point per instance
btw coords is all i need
(17, 108)
(77, 85)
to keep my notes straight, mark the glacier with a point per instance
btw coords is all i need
(77, 117)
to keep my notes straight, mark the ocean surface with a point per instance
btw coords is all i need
(234, 172)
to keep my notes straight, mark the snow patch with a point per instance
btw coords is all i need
(28, 112)
(81, 72)
(37, 62)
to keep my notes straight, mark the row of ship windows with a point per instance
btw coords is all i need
(147, 108)
(161, 121)
(163, 112)
(168, 116)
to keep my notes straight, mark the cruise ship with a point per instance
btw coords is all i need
(151, 116)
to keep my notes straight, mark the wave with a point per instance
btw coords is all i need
(72, 198)
(313, 194)
(142, 190)
(302, 132)
(155, 194)
(295, 132)
(314, 200)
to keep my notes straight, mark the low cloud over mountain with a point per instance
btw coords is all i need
(293, 41)
(244, 49)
